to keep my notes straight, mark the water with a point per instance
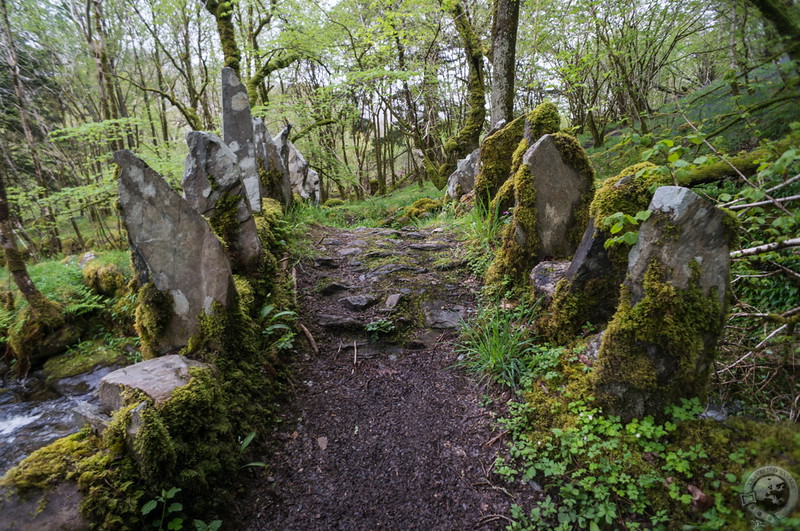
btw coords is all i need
(32, 416)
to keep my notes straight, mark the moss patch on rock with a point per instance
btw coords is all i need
(84, 358)
(594, 300)
(153, 312)
(496, 160)
(657, 351)
(105, 279)
(422, 207)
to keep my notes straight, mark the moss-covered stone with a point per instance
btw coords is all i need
(104, 279)
(657, 351)
(153, 312)
(521, 247)
(543, 120)
(594, 300)
(496, 160)
(82, 359)
(422, 207)
(333, 202)
(40, 331)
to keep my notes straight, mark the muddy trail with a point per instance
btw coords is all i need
(383, 432)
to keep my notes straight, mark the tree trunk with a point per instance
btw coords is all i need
(785, 16)
(504, 48)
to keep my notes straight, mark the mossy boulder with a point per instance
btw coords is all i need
(590, 290)
(422, 207)
(661, 342)
(495, 161)
(105, 279)
(83, 358)
(552, 191)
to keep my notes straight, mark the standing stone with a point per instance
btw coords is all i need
(590, 291)
(237, 130)
(275, 182)
(212, 185)
(660, 345)
(304, 181)
(552, 192)
(462, 181)
(174, 248)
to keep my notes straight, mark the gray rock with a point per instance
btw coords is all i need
(86, 258)
(157, 378)
(545, 276)
(93, 415)
(334, 287)
(349, 251)
(304, 181)
(212, 174)
(340, 322)
(392, 301)
(429, 246)
(684, 229)
(326, 261)
(269, 158)
(678, 275)
(174, 247)
(413, 235)
(237, 130)
(441, 315)
(55, 508)
(559, 191)
(462, 180)
(359, 303)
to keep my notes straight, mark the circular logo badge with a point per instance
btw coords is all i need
(769, 494)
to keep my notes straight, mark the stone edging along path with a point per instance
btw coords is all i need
(383, 432)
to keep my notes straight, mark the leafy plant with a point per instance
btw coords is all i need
(274, 328)
(496, 346)
(380, 327)
(243, 446)
(619, 221)
(166, 510)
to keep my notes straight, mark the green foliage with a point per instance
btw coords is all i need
(496, 347)
(379, 327)
(480, 229)
(275, 328)
(618, 221)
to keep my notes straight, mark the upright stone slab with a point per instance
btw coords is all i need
(275, 182)
(590, 291)
(462, 181)
(660, 345)
(552, 192)
(237, 131)
(305, 181)
(212, 185)
(174, 248)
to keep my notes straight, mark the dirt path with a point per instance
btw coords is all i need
(387, 435)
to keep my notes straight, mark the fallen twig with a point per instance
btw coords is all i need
(496, 438)
(309, 337)
(767, 247)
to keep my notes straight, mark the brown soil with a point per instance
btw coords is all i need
(391, 435)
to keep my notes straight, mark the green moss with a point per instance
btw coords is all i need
(514, 258)
(497, 154)
(40, 323)
(83, 358)
(153, 312)
(104, 279)
(503, 201)
(270, 180)
(224, 223)
(543, 120)
(659, 350)
(48, 466)
(333, 202)
(594, 300)
(422, 207)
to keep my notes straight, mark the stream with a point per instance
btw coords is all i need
(33, 415)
